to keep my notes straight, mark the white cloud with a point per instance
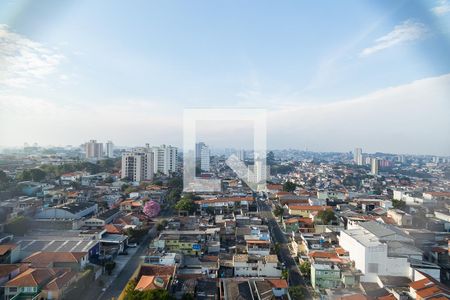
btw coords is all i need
(410, 118)
(406, 32)
(442, 8)
(23, 61)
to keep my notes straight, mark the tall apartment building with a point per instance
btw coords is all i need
(93, 149)
(109, 151)
(374, 164)
(165, 159)
(143, 163)
(358, 157)
(138, 165)
(203, 156)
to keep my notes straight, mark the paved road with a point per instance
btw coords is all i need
(119, 283)
(295, 278)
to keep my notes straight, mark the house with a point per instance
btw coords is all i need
(9, 271)
(9, 253)
(298, 225)
(305, 210)
(256, 266)
(427, 289)
(400, 217)
(154, 277)
(57, 287)
(258, 247)
(131, 205)
(325, 276)
(75, 261)
(30, 283)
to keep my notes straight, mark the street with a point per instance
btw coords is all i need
(295, 278)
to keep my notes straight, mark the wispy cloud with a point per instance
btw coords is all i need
(442, 8)
(23, 61)
(406, 32)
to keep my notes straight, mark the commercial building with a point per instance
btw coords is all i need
(379, 249)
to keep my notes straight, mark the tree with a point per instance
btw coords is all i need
(152, 209)
(305, 268)
(270, 158)
(279, 212)
(185, 203)
(297, 292)
(277, 248)
(18, 226)
(285, 274)
(399, 204)
(326, 216)
(109, 266)
(289, 186)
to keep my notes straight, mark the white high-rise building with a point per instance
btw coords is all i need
(138, 165)
(109, 151)
(357, 156)
(374, 166)
(241, 154)
(165, 158)
(93, 149)
(205, 158)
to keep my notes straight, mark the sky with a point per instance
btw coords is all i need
(332, 75)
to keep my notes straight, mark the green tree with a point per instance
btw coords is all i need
(285, 274)
(305, 268)
(279, 212)
(326, 216)
(289, 186)
(186, 204)
(398, 204)
(297, 292)
(270, 158)
(277, 248)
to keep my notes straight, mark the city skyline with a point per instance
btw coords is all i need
(380, 79)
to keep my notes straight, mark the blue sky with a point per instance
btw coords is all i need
(76, 70)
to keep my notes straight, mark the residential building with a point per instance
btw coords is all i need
(325, 276)
(400, 217)
(256, 266)
(138, 165)
(374, 164)
(165, 159)
(109, 151)
(93, 149)
(358, 157)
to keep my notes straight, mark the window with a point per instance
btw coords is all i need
(12, 289)
(373, 268)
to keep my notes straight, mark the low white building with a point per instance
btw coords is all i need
(400, 217)
(256, 266)
(379, 249)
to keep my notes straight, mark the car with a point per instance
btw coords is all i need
(132, 245)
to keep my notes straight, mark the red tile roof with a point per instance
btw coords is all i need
(278, 283)
(309, 207)
(420, 284)
(6, 247)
